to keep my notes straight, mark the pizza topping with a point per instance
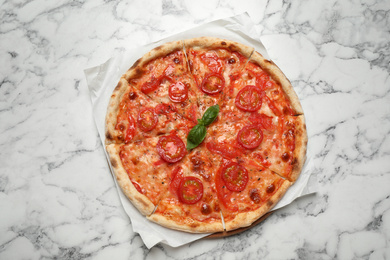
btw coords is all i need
(126, 121)
(264, 121)
(235, 176)
(250, 136)
(154, 83)
(178, 92)
(231, 61)
(255, 195)
(198, 132)
(176, 176)
(213, 83)
(132, 95)
(212, 61)
(249, 98)
(171, 148)
(190, 190)
(136, 185)
(164, 109)
(270, 188)
(206, 209)
(147, 119)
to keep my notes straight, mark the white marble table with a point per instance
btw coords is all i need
(57, 197)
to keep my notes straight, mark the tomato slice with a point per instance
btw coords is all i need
(147, 119)
(225, 149)
(164, 109)
(263, 120)
(235, 176)
(176, 178)
(250, 136)
(249, 98)
(190, 190)
(178, 92)
(212, 83)
(153, 84)
(126, 125)
(171, 148)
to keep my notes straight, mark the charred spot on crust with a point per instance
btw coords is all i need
(114, 163)
(136, 63)
(223, 43)
(109, 136)
(270, 203)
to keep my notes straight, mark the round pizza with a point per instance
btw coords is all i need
(205, 135)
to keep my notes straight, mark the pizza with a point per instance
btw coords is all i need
(205, 135)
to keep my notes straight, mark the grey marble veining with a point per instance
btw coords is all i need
(57, 198)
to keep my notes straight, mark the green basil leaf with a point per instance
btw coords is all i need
(210, 115)
(196, 136)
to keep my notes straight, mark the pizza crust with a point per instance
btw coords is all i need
(277, 75)
(141, 202)
(247, 218)
(191, 225)
(214, 43)
(112, 110)
(300, 148)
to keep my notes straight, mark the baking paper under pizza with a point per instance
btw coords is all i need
(205, 135)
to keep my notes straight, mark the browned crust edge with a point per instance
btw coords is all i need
(299, 154)
(247, 218)
(213, 43)
(273, 70)
(140, 201)
(193, 226)
(112, 111)
(160, 51)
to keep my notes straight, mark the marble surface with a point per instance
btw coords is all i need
(57, 197)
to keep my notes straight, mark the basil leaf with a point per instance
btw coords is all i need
(196, 136)
(210, 115)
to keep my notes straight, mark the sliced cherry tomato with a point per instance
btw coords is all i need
(226, 150)
(147, 119)
(151, 85)
(212, 61)
(154, 83)
(126, 125)
(164, 109)
(190, 190)
(250, 136)
(249, 98)
(262, 120)
(235, 176)
(176, 177)
(213, 83)
(171, 148)
(178, 92)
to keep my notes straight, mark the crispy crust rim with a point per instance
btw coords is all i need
(213, 43)
(247, 218)
(193, 226)
(140, 201)
(112, 110)
(277, 75)
(300, 147)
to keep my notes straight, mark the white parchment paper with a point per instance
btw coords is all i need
(102, 80)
